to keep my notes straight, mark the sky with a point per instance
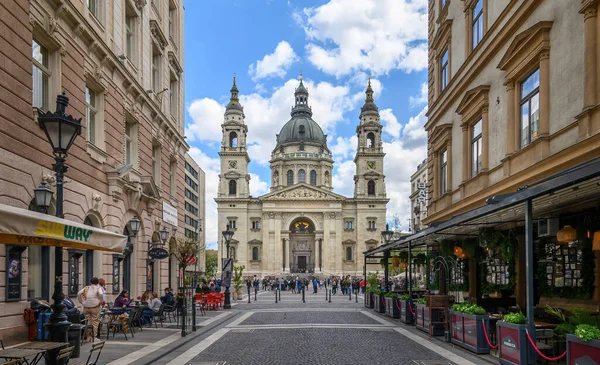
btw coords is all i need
(336, 45)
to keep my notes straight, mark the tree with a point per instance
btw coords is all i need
(183, 249)
(212, 263)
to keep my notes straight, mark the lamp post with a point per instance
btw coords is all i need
(61, 130)
(227, 235)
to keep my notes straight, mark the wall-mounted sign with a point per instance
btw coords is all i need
(158, 253)
(169, 214)
(422, 197)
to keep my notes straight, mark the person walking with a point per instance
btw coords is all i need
(91, 298)
(315, 285)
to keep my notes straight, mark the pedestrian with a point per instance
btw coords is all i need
(315, 285)
(91, 298)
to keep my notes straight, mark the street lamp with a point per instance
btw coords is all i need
(134, 225)
(61, 130)
(387, 235)
(227, 235)
(43, 196)
(164, 235)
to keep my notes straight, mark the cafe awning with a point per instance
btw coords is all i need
(24, 227)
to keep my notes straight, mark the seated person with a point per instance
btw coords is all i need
(153, 308)
(121, 302)
(168, 298)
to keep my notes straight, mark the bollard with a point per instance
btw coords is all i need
(248, 295)
(183, 312)
(303, 301)
(350, 296)
(194, 312)
(275, 295)
(325, 294)
(356, 295)
(255, 291)
(329, 295)
(280, 295)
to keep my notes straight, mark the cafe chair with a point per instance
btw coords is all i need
(119, 326)
(157, 316)
(92, 358)
(169, 312)
(63, 356)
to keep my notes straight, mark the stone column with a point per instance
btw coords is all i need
(512, 131)
(544, 130)
(590, 59)
(317, 254)
(284, 253)
(287, 253)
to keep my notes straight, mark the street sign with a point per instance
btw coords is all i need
(158, 253)
(190, 260)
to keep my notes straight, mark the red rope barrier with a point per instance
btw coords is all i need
(486, 336)
(397, 306)
(411, 310)
(539, 353)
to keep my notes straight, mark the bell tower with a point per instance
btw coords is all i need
(369, 181)
(234, 180)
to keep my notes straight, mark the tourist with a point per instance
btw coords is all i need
(153, 307)
(315, 285)
(121, 301)
(168, 298)
(91, 298)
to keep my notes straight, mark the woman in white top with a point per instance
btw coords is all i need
(153, 307)
(91, 298)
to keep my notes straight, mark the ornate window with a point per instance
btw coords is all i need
(444, 70)
(255, 225)
(301, 176)
(231, 224)
(290, 177)
(232, 187)
(41, 75)
(348, 253)
(156, 157)
(371, 187)
(371, 225)
(476, 148)
(301, 147)
(156, 73)
(255, 254)
(477, 23)
(370, 140)
(529, 106)
(131, 142)
(301, 129)
(313, 177)
(233, 139)
(443, 172)
(348, 225)
(131, 34)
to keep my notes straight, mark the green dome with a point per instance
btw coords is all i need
(301, 128)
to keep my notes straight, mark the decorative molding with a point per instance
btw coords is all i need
(158, 34)
(302, 193)
(174, 62)
(139, 4)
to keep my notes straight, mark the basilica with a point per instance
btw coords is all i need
(301, 225)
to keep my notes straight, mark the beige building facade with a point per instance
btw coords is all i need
(513, 93)
(418, 197)
(301, 225)
(121, 65)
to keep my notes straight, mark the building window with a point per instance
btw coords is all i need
(191, 196)
(371, 225)
(301, 176)
(444, 72)
(156, 155)
(130, 143)
(290, 177)
(255, 256)
(191, 183)
(231, 224)
(232, 187)
(131, 35)
(348, 253)
(192, 209)
(443, 3)
(172, 22)
(173, 99)
(348, 225)
(371, 187)
(255, 225)
(41, 76)
(301, 147)
(313, 177)
(155, 71)
(443, 172)
(477, 23)
(301, 130)
(191, 170)
(370, 140)
(172, 178)
(95, 8)
(232, 139)
(476, 147)
(90, 114)
(530, 108)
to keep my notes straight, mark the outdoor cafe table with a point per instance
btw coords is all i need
(43, 346)
(22, 354)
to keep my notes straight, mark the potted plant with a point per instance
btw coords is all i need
(237, 281)
(391, 307)
(372, 285)
(584, 345)
(407, 309)
(512, 339)
(423, 318)
(468, 321)
(378, 301)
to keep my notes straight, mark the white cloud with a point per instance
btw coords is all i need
(211, 167)
(257, 187)
(390, 123)
(207, 116)
(376, 35)
(420, 99)
(343, 178)
(274, 64)
(344, 148)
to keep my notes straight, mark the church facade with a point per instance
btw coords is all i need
(301, 225)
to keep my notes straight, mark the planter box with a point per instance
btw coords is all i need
(422, 320)
(391, 307)
(513, 346)
(467, 332)
(406, 316)
(582, 353)
(379, 303)
(369, 300)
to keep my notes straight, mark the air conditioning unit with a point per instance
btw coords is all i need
(547, 227)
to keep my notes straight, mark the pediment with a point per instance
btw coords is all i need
(232, 175)
(255, 242)
(303, 192)
(150, 188)
(371, 242)
(535, 38)
(349, 242)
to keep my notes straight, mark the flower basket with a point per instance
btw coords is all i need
(391, 307)
(582, 352)
(467, 331)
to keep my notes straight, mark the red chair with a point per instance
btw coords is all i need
(212, 301)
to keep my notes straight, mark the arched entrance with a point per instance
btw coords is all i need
(302, 243)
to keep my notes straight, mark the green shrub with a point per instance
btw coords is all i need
(422, 300)
(468, 308)
(516, 318)
(405, 297)
(390, 295)
(587, 332)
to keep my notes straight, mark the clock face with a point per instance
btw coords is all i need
(233, 164)
(371, 164)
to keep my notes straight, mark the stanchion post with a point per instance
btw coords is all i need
(279, 294)
(356, 295)
(255, 291)
(303, 301)
(275, 295)
(248, 295)
(329, 295)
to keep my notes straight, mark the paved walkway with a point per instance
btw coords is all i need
(289, 332)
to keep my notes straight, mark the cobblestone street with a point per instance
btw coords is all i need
(315, 332)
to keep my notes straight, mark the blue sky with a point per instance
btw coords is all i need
(336, 44)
